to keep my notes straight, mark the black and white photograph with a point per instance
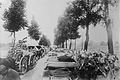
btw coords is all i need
(59, 39)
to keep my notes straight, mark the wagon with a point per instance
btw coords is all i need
(56, 70)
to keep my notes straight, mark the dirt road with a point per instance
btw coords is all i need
(37, 72)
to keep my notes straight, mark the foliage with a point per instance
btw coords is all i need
(66, 29)
(33, 30)
(14, 17)
(83, 13)
(73, 28)
(44, 41)
(61, 33)
(58, 39)
(86, 12)
(93, 64)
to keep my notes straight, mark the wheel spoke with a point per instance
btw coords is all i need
(24, 66)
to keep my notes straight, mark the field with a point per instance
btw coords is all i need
(4, 50)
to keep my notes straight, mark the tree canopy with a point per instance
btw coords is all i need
(14, 17)
(66, 29)
(44, 41)
(33, 30)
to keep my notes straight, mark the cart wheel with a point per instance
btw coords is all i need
(19, 56)
(24, 65)
(33, 61)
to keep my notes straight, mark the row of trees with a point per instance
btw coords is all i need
(83, 13)
(16, 20)
(66, 30)
(34, 33)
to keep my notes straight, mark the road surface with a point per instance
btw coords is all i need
(37, 72)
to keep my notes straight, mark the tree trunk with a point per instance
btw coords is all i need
(87, 38)
(108, 28)
(66, 44)
(62, 44)
(14, 39)
(109, 39)
(70, 44)
(87, 30)
(75, 45)
(82, 45)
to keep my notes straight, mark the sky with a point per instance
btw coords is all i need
(47, 12)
